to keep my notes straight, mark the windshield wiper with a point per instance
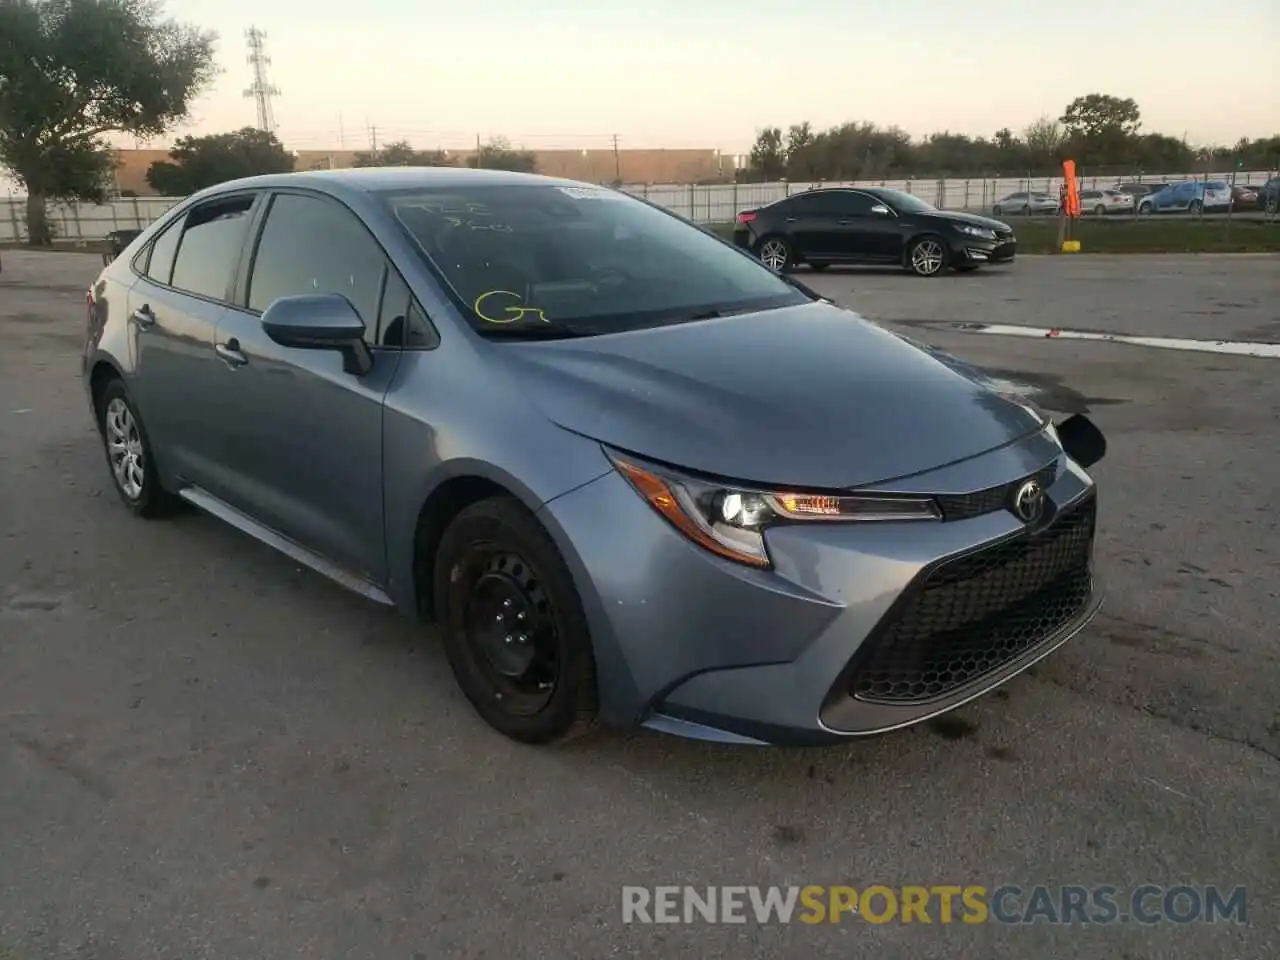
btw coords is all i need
(533, 331)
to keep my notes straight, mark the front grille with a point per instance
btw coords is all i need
(965, 506)
(977, 613)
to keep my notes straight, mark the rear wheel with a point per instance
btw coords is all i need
(514, 629)
(1100, 210)
(927, 257)
(1144, 209)
(129, 454)
(775, 254)
(997, 209)
(1195, 207)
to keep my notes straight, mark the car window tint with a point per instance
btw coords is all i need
(160, 266)
(209, 251)
(418, 331)
(311, 245)
(853, 204)
(808, 205)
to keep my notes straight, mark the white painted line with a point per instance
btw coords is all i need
(1239, 348)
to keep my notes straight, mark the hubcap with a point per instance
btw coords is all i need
(926, 258)
(509, 623)
(124, 449)
(774, 255)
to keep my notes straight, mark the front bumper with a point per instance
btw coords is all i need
(834, 642)
(977, 250)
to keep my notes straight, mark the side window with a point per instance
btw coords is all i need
(854, 205)
(210, 246)
(160, 266)
(311, 245)
(807, 205)
(401, 322)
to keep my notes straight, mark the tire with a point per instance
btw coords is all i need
(130, 458)
(1144, 209)
(1195, 208)
(997, 210)
(1100, 210)
(775, 253)
(531, 674)
(927, 256)
(1271, 205)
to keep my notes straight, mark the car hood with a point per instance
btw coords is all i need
(807, 396)
(956, 216)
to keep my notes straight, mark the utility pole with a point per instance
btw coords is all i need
(261, 90)
(342, 136)
(479, 155)
(373, 137)
(617, 160)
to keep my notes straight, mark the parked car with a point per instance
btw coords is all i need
(1026, 203)
(1103, 202)
(1139, 190)
(1244, 197)
(868, 226)
(1189, 196)
(1269, 195)
(116, 241)
(631, 473)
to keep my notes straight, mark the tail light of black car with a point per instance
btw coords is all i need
(746, 216)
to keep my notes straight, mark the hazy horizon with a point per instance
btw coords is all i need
(570, 73)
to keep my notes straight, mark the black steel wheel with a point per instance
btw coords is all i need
(514, 630)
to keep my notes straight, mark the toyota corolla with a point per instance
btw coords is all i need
(631, 473)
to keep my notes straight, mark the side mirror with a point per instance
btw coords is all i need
(325, 321)
(881, 209)
(1082, 441)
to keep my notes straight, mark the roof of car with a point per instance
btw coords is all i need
(400, 178)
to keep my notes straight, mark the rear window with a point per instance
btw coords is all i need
(1216, 185)
(588, 259)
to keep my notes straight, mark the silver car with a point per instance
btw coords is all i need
(632, 474)
(1026, 203)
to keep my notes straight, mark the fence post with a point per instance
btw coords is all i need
(735, 198)
(137, 215)
(13, 215)
(693, 213)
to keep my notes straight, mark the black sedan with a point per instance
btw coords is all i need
(871, 226)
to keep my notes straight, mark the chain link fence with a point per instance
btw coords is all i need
(89, 224)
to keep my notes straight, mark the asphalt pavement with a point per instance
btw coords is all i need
(207, 752)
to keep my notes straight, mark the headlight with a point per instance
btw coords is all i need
(730, 521)
(982, 232)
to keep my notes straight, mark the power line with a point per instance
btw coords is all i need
(261, 90)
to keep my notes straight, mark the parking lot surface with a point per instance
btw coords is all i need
(207, 752)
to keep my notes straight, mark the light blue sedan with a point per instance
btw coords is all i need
(1189, 196)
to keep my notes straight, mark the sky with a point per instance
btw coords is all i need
(711, 73)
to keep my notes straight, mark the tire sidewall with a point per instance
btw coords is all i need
(503, 524)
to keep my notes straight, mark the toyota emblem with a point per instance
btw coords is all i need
(1028, 501)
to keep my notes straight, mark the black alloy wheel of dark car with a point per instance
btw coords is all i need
(514, 629)
(927, 256)
(129, 455)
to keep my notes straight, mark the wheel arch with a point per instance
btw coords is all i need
(102, 369)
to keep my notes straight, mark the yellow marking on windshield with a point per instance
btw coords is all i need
(513, 312)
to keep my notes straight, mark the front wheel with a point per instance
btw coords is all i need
(775, 254)
(927, 257)
(1144, 209)
(1100, 210)
(997, 210)
(514, 630)
(1195, 207)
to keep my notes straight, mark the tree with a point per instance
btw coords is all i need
(1043, 138)
(199, 162)
(498, 154)
(768, 155)
(1101, 128)
(401, 154)
(72, 71)
(801, 163)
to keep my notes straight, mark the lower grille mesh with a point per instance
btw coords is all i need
(974, 614)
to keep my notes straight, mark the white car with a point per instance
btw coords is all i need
(1103, 202)
(1026, 203)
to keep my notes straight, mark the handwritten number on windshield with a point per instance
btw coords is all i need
(504, 314)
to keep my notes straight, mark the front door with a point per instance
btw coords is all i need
(866, 235)
(301, 439)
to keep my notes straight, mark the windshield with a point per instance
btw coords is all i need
(578, 260)
(905, 202)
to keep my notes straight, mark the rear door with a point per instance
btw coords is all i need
(810, 220)
(301, 439)
(186, 278)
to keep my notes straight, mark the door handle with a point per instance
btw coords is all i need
(790, 219)
(144, 316)
(845, 223)
(230, 352)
